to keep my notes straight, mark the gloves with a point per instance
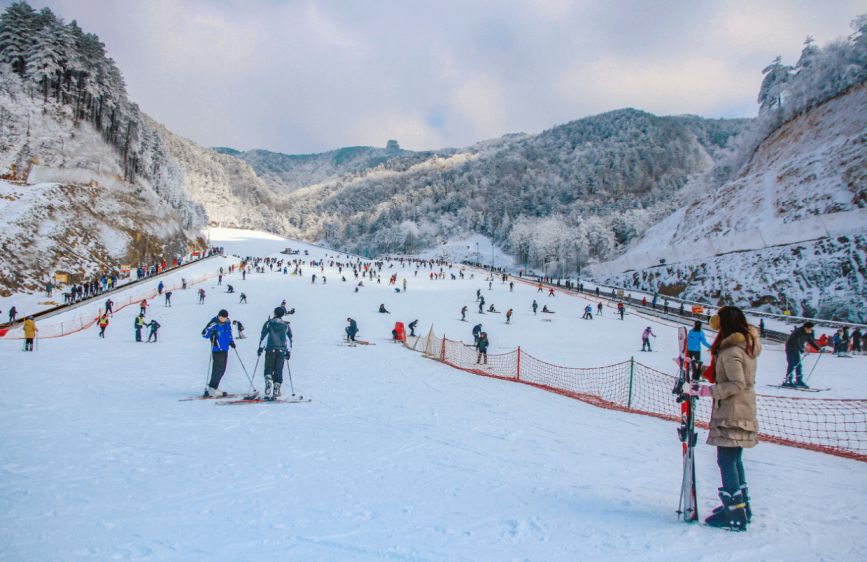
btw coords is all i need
(232, 345)
(259, 351)
(699, 390)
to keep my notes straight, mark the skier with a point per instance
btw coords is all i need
(144, 306)
(482, 305)
(621, 309)
(535, 306)
(103, 324)
(482, 346)
(168, 299)
(478, 294)
(477, 329)
(108, 307)
(694, 340)
(201, 296)
(160, 288)
(243, 299)
(220, 278)
(382, 309)
(183, 283)
(551, 292)
(13, 312)
(464, 313)
(511, 286)
(219, 331)
(278, 332)
(29, 333)
(351, 330)
(588, 313)
(509, 316)
(645, 339)
(138, 324)
(240, 326)
(411, 327)
(599, 309)
(154, 326)
(733, 424)
(794, 348)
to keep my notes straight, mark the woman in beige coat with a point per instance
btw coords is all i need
(733, 424)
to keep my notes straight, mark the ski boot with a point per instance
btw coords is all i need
(732, 514)
(788, 383)
(276, 394)
(800, 384)
(268, 387)
(211, 392)
(747, 509)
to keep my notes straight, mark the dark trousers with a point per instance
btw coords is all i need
(274, 359)
(794, 366)
(28, 344)
(152, 335)
(645, 343)
(731, 467)
(218, 367)
(138, 334)
(694, 362)
(102, 331)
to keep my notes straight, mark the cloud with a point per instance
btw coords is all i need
(304, 75)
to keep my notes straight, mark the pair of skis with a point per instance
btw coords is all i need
(255, 398)
(687, 374)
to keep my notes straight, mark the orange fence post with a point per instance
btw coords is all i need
(518, 373)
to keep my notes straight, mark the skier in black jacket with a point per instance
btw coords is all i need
(278, 332)
(794, 348)
(351, 330)
(477, 329)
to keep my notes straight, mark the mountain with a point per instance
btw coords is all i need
(789, 232)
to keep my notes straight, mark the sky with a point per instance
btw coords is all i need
(306, 76)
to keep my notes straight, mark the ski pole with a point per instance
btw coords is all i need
(208, 372)
(821, 351)
(244, 368)
(289, 371)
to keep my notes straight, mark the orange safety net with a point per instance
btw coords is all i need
(834, 426)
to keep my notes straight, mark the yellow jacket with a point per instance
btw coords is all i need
(29, 328)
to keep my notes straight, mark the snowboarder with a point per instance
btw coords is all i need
(382, 309)
(411, 327)
(138, 324)
(509, 316)
(794, 348)
(482, 346)
(279, 334)
(243, 299)
(694, 340)
(464, 313)
(29, 333)
(351, 330)
(733, 424)
(219, 332)
(168, 299)
(154, 327)
(103, 324)
(645, 339)
(492, 309)
(477, 329)
(535, 306)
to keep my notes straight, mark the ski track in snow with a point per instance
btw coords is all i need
(396, 458)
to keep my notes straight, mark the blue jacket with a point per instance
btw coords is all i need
(219, 334)
(695, 339)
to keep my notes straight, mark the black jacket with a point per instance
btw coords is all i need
(798, 339)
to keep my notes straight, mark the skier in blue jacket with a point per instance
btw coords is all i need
(694, 340)
(219, 331)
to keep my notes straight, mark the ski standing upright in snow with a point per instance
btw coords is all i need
(687, 506)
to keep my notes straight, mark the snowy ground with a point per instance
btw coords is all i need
(397, 457)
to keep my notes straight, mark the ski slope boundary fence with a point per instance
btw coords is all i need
(86, 321)
(833, 426)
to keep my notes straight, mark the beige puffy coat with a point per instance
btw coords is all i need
(733, 418)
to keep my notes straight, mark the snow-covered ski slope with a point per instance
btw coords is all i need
(396, 458)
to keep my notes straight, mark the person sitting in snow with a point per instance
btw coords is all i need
(382, 309)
